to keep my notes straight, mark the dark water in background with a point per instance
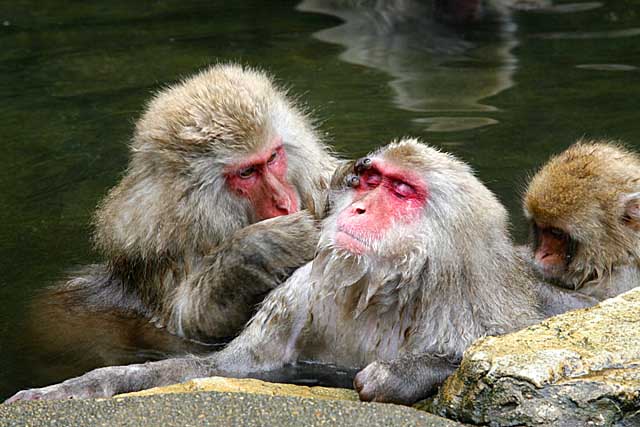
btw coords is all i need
(74, 76)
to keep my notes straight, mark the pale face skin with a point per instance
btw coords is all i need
(262, 179)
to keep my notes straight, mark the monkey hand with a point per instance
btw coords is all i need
(404, 380)
(297, 234)
(54, 392)
(88, 386)
(362, 165)
(348, 173)
(383, 382)
(106, 382)
(273, 246)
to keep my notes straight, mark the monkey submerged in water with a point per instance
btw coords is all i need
(217, 207)
(584, 209)
(413, 265)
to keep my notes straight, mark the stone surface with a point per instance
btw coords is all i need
(579, 368)
(245, 385)
(214, 409)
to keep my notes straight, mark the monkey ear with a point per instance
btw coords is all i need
(632, 210)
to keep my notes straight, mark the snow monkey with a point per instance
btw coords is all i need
(584, 208)
(413, 264)
(218, 206)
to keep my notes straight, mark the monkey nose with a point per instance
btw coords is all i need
(283, 203)
(542, 255)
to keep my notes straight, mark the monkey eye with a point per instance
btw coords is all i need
(402, 189)
(372, 179)
(247, 172)
(273, 157)
(557, 233)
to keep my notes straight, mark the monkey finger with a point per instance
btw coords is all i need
(365, 385)
(31, 394)
(352, 181)
(362, 165)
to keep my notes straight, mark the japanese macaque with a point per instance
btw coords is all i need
(584, 208)
(218, 206)
(414, 263)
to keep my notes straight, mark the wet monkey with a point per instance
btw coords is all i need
(218, 206)
(413, 264)
(584, 209)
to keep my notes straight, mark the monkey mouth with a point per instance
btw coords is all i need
(350, 241)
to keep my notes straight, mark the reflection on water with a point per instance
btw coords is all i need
(450, 124)
(434, 67)
(607, 67)
(72, 91)
(585, 35)
(570, 7)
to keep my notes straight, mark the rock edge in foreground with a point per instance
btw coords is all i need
(247, 385)
(579, 368)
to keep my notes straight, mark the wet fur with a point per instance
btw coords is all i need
(405, 311)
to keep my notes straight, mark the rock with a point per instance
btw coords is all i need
(245, 385)
(577, 369)
(213, 409)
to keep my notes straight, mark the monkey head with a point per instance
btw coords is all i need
(584, 209)
(212, 154)
(410, 203)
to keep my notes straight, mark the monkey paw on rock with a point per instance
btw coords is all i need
(382, 382)
(55, 392)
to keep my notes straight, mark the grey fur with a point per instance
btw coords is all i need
(182, 250)
(405, 311)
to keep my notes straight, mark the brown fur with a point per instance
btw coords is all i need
(181, 249)
(585, 192)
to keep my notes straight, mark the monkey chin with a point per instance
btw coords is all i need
(350, 243)
(551, 271)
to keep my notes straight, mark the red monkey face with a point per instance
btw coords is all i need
(262, 179)
(385, 195)
(554, 250)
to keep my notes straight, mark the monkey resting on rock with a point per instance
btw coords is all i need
(584, 209)
(217, 207)
(413, 265)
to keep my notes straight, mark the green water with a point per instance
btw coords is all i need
(74, 76)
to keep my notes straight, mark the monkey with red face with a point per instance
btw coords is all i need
(218, 206)
(584, 208)
(413, 264)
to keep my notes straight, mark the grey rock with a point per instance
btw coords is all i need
(214, 409)
(581, 368)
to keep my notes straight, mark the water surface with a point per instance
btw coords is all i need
(503, 95)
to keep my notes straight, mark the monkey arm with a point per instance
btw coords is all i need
(106, 382)
(552, 299)
(269, 342)
(219, 297)
(405, 380)
(555, 300)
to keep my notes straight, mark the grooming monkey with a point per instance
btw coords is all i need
(413, 265)
(217, 207)
(584, 209)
